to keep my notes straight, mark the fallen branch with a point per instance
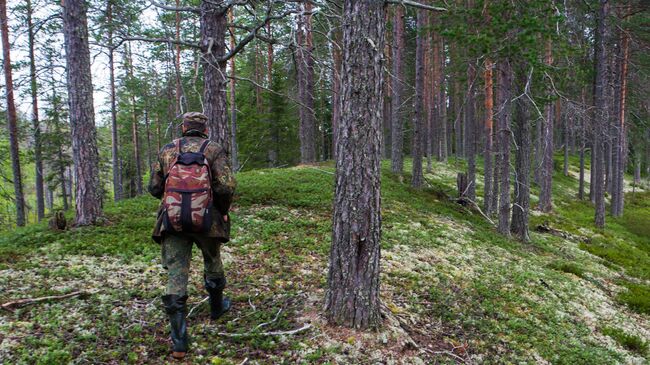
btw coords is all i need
(448, 353)
(27, 301)
(271, 333)
(476, 207)
(196, 306)
(546, 228)
(415, 4)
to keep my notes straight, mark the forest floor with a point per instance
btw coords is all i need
(453, 290)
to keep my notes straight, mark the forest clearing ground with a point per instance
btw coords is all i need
(452, 289)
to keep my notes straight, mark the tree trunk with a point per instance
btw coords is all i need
(386, 127)
(234, 150)
(147, 126)
(618, 198)
(419, 119)
(82, 117)
(470, 131)
(567, 121)
(503, 97)
(213, 44)
(117, 183)
(397, 126)
(445, 147)
(429, 132)
(177, 65)
(581, 178)
(38, 160)
(488, 199)
(337, 56)
(305, 73)
(521, 207)
(12, 119)
(352, 297)
(546, 168)
(274, 132)
(135, 130)
(600, 110)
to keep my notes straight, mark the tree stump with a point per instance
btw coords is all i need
(461, 183)
(58, 222)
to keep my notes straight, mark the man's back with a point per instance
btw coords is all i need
(223, 182)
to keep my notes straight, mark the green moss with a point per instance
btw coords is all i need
(636, 297)
(626, 340)
(568, 267)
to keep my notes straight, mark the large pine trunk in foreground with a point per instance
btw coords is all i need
(11, 118)
(82, 116)
(352, 297)
(213, 46)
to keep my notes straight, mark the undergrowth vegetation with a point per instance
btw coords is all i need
(452, 288)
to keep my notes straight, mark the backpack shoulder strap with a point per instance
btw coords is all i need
(204, 145)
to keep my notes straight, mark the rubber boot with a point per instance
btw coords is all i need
(218, 304)
(176, 311)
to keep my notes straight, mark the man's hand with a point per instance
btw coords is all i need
(225, 218)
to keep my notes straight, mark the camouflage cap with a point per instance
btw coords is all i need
(195, 120)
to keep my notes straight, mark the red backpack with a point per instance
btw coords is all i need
(188, 191)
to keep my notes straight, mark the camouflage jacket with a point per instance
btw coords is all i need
(223, 183)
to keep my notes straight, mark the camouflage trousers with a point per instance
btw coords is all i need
(177, 255)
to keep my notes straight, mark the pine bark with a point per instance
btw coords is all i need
(504, 94)
(600, 112)
(12, 120)
(521, 206)
(445, 146)
(337, 57)
(352, 297)
(135, 128)
(470, 131)
(419, 120)
(38, 160)
(305, 75)
(488, 198)
(397, 126)
(177, 64)
(274, 131)
(213, 43)
(82, 117)
(234, 150)
(546, 167)
(117, 181)
(583, 146)
(567, 122)
(618, 196)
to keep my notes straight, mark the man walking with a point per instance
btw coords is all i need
(193, 178)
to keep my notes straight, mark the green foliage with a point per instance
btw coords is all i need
(568, 267)
(637, 297)
(630, 342)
